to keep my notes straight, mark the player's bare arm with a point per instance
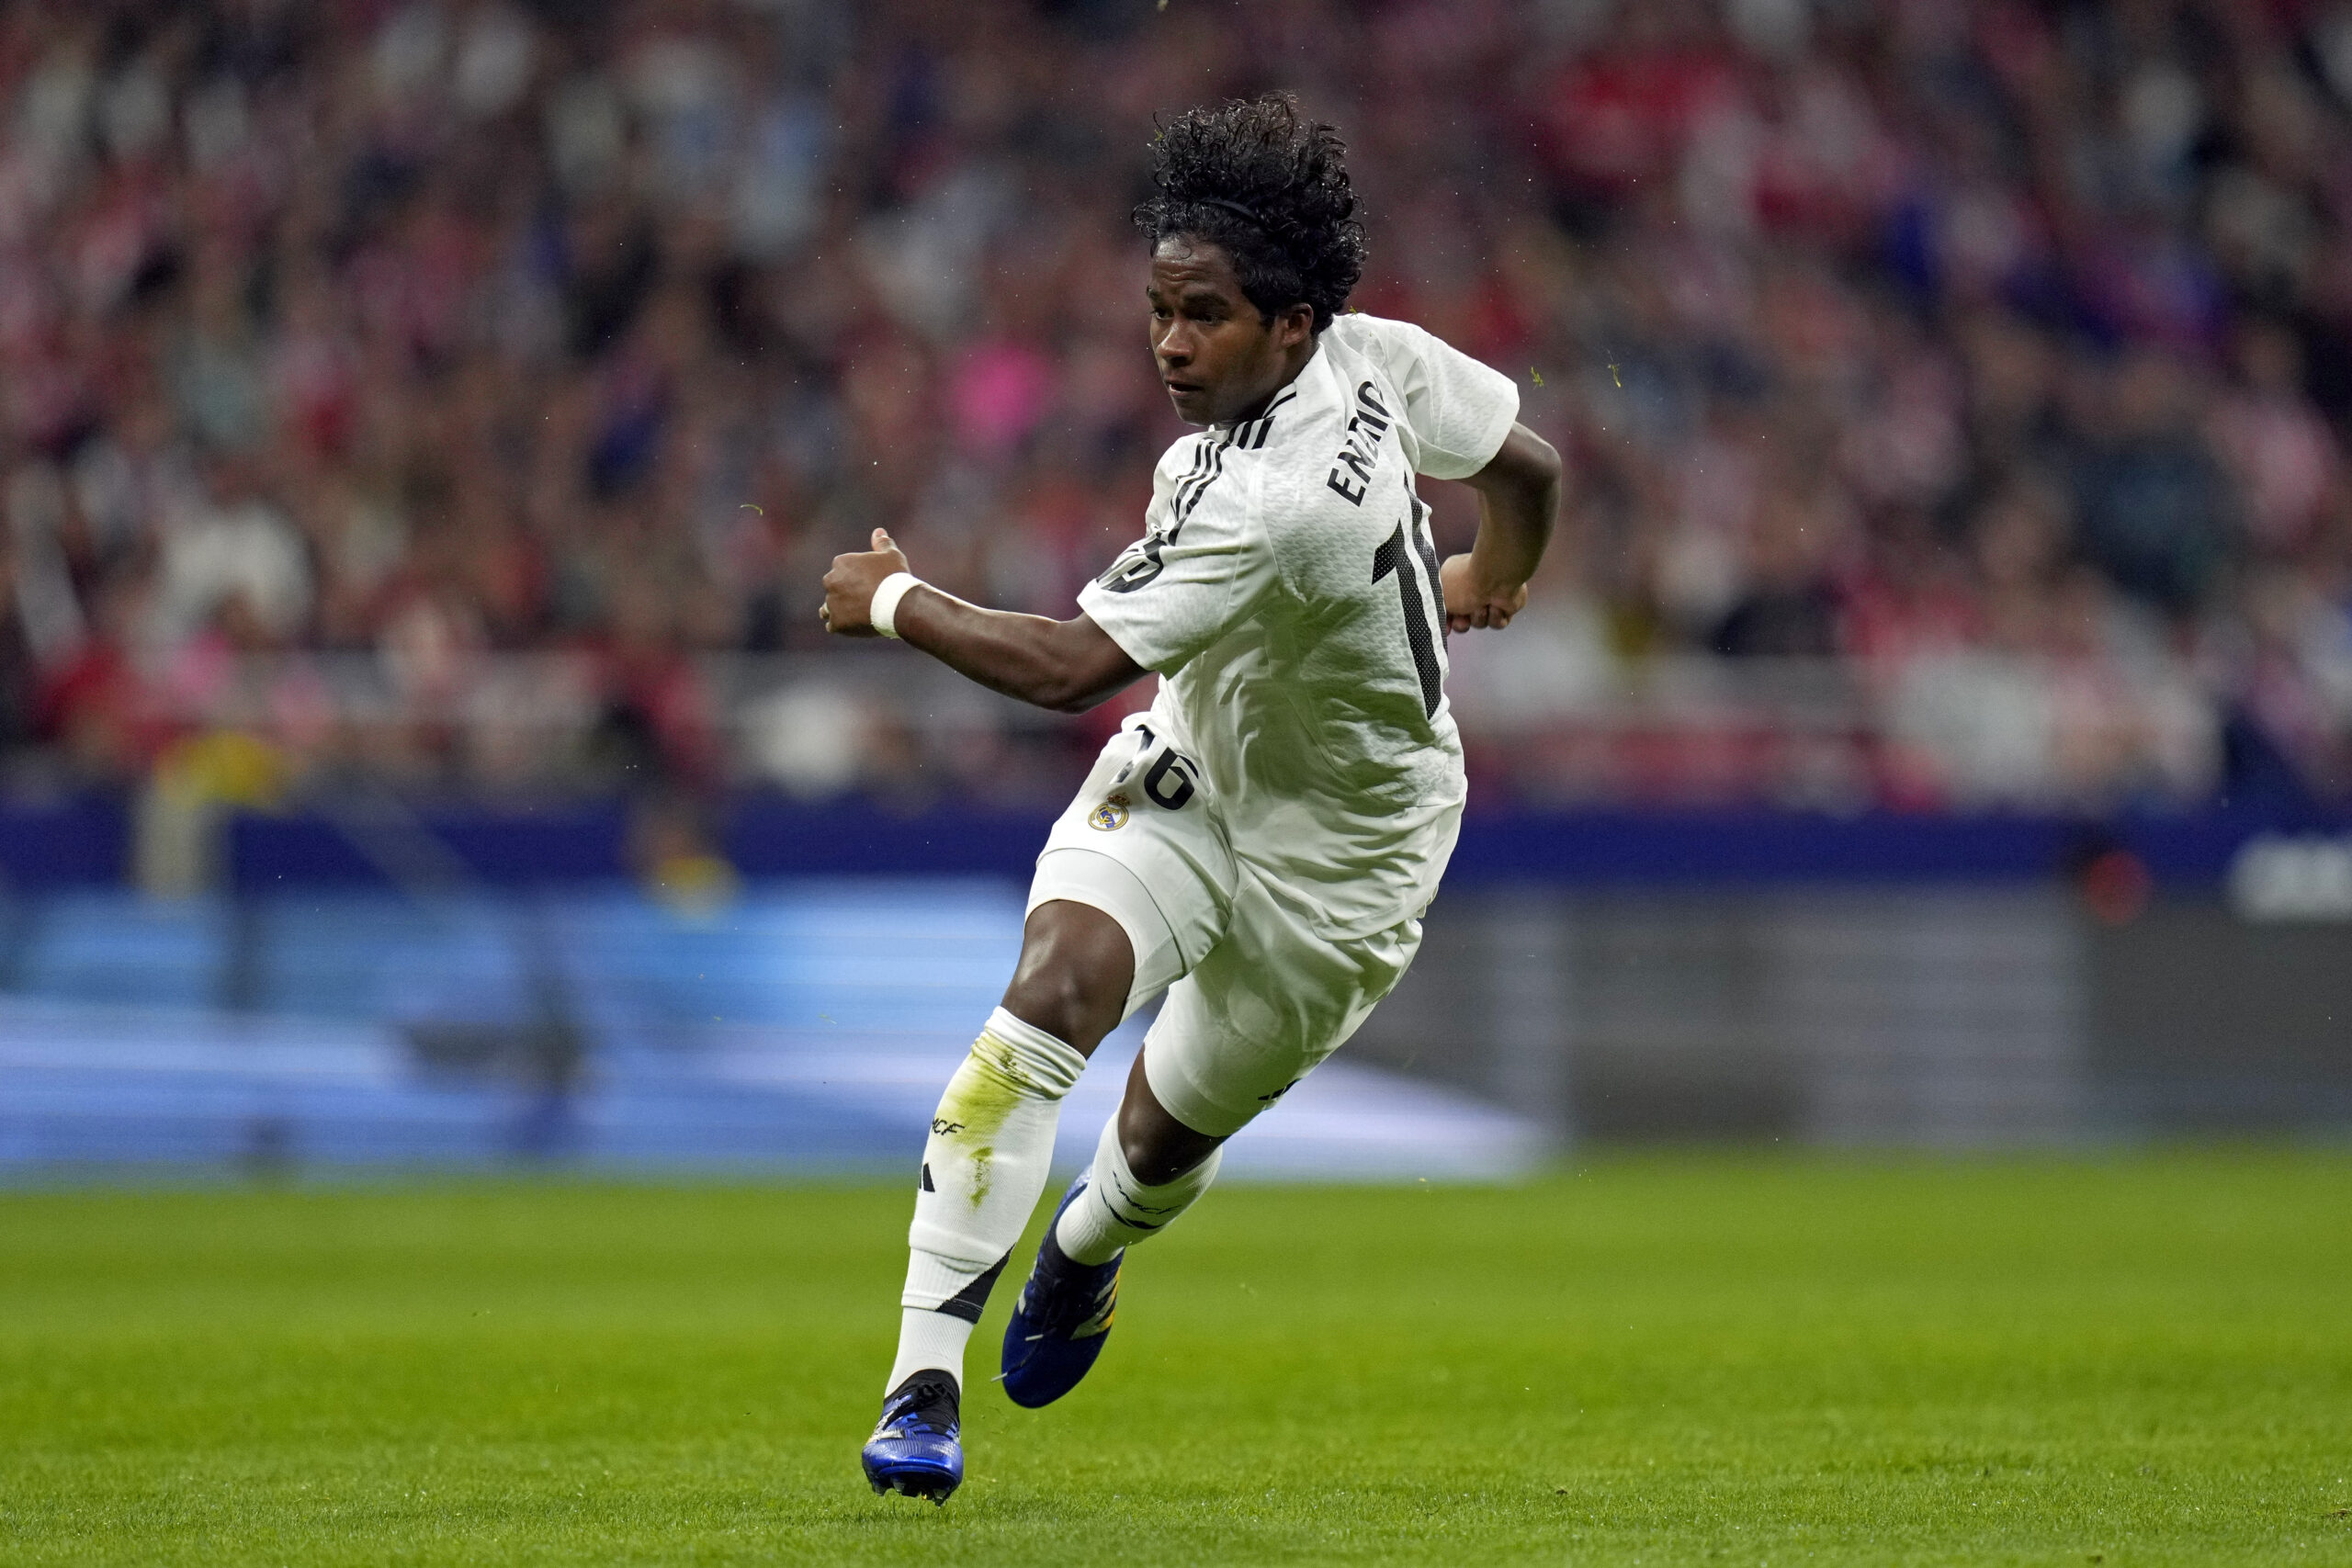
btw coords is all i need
(1076, 964)
(1519, 495)
(1221, 357)
(1067, 666)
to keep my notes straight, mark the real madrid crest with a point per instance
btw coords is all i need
(1110, 814)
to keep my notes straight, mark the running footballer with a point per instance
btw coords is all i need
(1262, 843)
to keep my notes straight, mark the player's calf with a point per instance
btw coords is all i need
(984, 1166)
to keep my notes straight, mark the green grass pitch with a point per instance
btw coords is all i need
(1700, 1358)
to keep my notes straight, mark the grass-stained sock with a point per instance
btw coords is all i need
(984, 1168)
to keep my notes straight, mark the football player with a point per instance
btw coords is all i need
(1260, 844)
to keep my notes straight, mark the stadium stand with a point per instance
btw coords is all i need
(471, 395)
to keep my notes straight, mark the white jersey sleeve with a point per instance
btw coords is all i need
(1204, 565)
(1457, 411)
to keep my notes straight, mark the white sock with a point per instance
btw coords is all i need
(1117, 1210)
(984, 1168)
(928, 1339)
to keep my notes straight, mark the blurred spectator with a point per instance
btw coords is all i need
(2156, 513)
(445, 332)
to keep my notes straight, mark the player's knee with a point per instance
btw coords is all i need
(1081, 1004)
(1074, 975)
(1066, 1001)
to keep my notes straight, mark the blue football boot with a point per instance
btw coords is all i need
(915, 1449)
(1061, 1321)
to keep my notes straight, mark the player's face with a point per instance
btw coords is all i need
(1218, 358)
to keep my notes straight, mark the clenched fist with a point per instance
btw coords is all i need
(1470, 601)
(849, 587)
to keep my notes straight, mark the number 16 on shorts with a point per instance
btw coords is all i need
(1169, 778)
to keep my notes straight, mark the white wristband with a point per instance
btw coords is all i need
(885, 611)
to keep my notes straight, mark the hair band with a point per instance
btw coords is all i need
(1236, 209)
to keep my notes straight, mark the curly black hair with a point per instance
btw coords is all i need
(1269, 186)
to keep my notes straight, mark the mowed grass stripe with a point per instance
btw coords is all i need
(1690, 1357)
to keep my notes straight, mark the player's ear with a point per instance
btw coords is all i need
(1295, 325)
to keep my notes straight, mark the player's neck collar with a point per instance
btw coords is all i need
(1293, 380)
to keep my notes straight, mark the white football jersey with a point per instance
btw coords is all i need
(1286, 591)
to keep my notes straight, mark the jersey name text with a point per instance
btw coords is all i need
(1362, 447)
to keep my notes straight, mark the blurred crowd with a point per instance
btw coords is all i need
(1994, 357)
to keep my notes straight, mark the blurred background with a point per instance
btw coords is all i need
(423, 428)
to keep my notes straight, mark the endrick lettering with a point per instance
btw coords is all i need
(1362, 450)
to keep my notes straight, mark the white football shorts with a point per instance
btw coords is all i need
(1255, 997)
